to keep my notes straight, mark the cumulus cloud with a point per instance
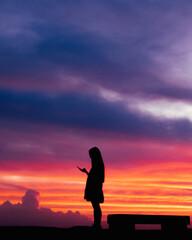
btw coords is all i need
(27, 213)
(29, 200)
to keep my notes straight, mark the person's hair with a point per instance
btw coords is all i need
(97, 163)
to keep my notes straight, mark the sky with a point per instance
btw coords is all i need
(113, 74)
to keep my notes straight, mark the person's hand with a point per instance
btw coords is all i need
(83, 170)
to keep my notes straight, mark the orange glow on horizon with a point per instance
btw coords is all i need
(161, 188)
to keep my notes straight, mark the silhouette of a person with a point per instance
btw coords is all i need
(95, 180)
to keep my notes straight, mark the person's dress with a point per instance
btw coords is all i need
(93, 189)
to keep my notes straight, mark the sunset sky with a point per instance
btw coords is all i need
(115, 74)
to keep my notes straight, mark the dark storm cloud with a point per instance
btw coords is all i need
(88, 112)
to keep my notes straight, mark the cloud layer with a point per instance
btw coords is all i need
(88, 112)
(114, 45)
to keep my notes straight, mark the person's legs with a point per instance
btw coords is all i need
(97, 213)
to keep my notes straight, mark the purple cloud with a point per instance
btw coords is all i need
(89, 112)
(28, 213)
(111, 45)
(29, 200)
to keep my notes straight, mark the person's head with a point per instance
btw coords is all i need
(95, 153)
(96, 157)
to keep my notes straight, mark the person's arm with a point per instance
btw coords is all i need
(83, 170)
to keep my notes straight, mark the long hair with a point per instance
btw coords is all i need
(97, 163)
